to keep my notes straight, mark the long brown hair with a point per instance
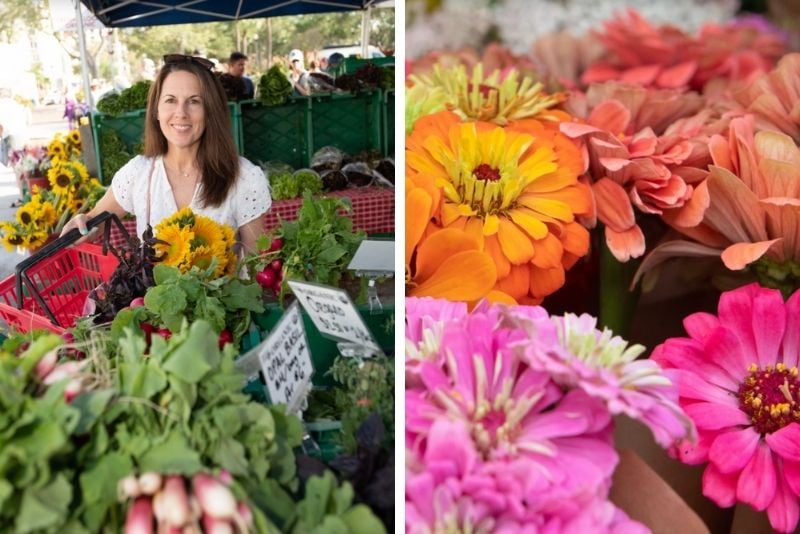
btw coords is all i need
(217, 157)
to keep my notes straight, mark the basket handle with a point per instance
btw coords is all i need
(54, 246)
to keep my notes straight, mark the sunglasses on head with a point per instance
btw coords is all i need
(171, 59)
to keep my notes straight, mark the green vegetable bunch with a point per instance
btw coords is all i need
(317, 247)
(363, 388)
(225, 302)
(274, 87)
(286, 186)
(115, 154)
(131, 99)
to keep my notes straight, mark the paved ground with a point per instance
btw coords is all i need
(45, 122)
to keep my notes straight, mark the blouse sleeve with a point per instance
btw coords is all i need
(253, 197)
(123, 182)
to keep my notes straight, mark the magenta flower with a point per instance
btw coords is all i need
(738, 380)
(605, 367)
(425, 319)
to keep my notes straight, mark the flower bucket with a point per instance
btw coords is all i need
(39, 181)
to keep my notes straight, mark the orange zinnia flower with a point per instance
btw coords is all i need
(513, 190)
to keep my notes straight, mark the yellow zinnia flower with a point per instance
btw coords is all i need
(175, 249)
(514, 190)
(486, 98)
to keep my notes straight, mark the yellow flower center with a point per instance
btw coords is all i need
(770, 396)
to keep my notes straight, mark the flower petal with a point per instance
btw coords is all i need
(418, 201)
(786, 442)
(769, 324)
(712, 416)
(784, 510)
(527, 220)
(516, 246)
(791, 338)
(625, 244)
(465, 276)
(719, 487)
(757, 483)
(739, 255)
(731, 451)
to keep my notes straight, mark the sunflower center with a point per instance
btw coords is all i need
(770, 397)
(486, 172)
(63, 180)
(25, 217)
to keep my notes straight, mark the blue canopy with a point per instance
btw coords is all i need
(127, 13)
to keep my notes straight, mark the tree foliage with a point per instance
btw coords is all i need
(20, 16)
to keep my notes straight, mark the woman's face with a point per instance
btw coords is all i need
(181, 113)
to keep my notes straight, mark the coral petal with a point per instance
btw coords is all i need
(737, 257)
(626, 244)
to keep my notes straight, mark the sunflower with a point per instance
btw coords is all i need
(62, 179)
(26, 214)
(175, 249)
(35, 239)
(56, 149)
(74, 137)
(207, 233)
(515, 190)
(47, 214)
(11, 241)
(202, 257)
(79, 169)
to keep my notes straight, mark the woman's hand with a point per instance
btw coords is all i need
(79, 222)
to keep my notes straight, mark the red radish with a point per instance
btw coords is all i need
(166, 333)
(73, 389)
(276, 244)
(276, 265)
(63, 370)
(225, 477)
(140, 517)
(46, 364)
(128, 488)
(245, 513)
(150, 482)
(277, 286)
(147, 328)
(175, 501)
(266, 278)
(225, 337)
(137, 302)
(216, 526)
(215, 499)
(68, 337)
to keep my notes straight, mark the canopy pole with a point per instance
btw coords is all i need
(87, 88)
(365, 24)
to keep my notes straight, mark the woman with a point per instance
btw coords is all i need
(189, 159)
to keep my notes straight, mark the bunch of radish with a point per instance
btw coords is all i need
(49, 371)
(271, 276)
(173, 504)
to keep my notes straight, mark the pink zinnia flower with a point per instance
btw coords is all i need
(605, 367)
(738, 381)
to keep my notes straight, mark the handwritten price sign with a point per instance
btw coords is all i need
(333, 313)
(285, 358)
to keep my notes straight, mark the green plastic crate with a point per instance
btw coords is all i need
(388, 124)
(350, 121)
(276, 132)
(129, 127)
(326, 434)
(351, 64)
(323, 350)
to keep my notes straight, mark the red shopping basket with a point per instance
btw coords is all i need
(49, 289)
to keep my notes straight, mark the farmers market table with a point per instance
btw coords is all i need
(373, 211)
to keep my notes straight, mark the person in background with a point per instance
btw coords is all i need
(70, 110)
(298, 74)
(237, 64)
(333, 63)
(189, 159)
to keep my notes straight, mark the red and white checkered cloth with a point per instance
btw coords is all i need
(373, 212)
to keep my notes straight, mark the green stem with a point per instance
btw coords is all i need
(617, 302)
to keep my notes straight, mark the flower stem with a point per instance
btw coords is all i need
(617, 301)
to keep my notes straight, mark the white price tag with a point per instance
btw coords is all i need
(285, 358)
(333, 313)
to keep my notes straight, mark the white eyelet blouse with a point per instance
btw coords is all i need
(248, 198)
